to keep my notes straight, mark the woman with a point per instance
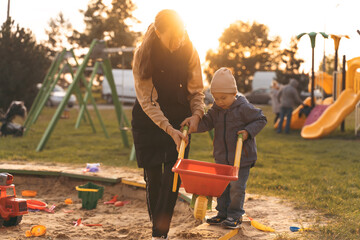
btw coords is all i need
(168, 84)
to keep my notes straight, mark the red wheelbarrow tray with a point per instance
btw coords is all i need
(204, 178)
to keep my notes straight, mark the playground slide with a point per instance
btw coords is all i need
(333, 115)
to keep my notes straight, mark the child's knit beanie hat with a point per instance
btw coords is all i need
(223, 82)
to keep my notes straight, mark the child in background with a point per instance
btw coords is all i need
(275, 104)
(230, 115)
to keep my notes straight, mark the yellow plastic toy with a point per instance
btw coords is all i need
(260, 226)
(36, 231)
(28, 193)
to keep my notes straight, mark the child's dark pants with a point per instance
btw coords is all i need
(231, 202)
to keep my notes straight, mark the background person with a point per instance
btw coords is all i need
(168, 84)
(288, 97)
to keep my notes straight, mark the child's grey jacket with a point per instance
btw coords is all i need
(227, 122)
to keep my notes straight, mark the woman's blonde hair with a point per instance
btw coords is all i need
(164, 20)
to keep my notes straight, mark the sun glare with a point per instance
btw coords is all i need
(203, 23)
(206, 20)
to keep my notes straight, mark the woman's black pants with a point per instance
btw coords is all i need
(160, 198)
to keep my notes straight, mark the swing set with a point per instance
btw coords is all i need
(97, 52)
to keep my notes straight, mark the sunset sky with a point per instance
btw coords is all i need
(206, 20)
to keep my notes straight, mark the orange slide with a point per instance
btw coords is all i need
(343, 106)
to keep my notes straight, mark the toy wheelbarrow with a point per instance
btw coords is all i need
(204, 178)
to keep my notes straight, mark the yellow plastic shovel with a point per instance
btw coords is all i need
(260, 226)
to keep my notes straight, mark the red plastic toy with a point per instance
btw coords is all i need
(36, 204)
(112, 201)
(12, 208)
(204, 178)
(121, 203)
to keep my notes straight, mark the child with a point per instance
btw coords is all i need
(230, 115)
(274, 100)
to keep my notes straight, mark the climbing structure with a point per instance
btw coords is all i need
(342, 107)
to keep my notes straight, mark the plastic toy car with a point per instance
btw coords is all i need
(12, 208)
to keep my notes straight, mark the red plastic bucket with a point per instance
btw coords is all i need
(204, 178)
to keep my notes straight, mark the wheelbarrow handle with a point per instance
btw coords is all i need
(183, 144)
(238, 151)
(180, 156)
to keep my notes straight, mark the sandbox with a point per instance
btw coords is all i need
(131, 221)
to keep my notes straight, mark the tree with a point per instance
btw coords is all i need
(288, 57)
(110, 24)
(329, 65)
(59, 30)
(23, 64)
(244, 48)
(284, 78)
(292, 66)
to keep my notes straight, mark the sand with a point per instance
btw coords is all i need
(131, 221)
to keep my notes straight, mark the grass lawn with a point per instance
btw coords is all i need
(319, 174)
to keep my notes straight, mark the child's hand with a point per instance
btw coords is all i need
(244, 133)
(192, 122)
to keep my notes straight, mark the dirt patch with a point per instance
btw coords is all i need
(132, 221)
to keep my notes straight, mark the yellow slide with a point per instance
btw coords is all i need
(343, 106)
(333, 115)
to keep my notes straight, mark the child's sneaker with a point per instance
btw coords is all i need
(232, 223)
(215, 220)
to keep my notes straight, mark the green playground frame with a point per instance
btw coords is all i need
(58, 66)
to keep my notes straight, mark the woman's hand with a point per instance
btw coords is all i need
(244, 133)
(192, 122)
(177, 136)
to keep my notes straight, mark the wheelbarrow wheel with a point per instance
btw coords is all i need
(200, 207)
